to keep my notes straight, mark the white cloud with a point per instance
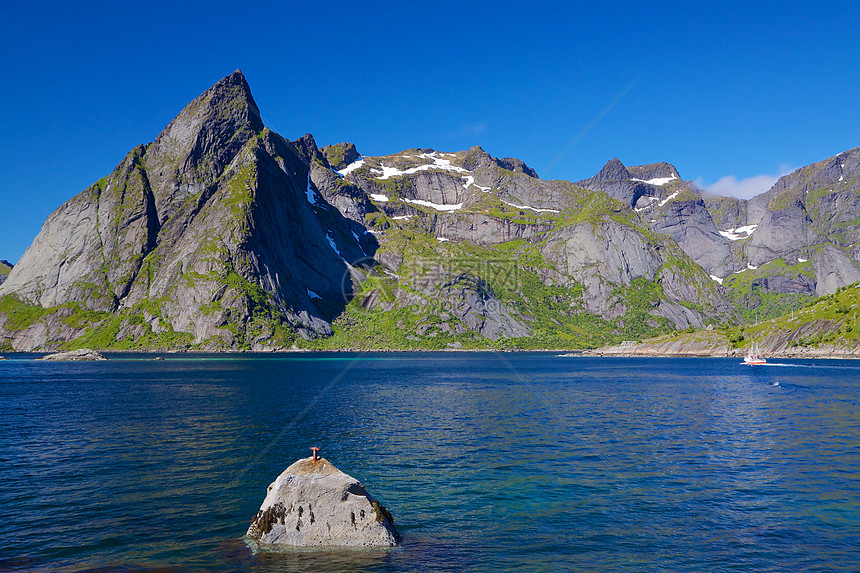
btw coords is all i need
(743, 188)
(468, 130)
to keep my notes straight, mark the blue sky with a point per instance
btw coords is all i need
(729, 92)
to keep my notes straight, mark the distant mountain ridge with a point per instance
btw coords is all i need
(5, 269)
(223, 235)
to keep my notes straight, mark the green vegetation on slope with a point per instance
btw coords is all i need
(18, 314)
(420, 305)
(832, 319)
(744, 292)
(125, 330)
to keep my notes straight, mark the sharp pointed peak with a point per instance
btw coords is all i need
(613, 170)
(235, 78)
(232, 95)
(307, 146)
(202, 139)
(233, 85)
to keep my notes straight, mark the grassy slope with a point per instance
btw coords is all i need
(553, 313)
(830, 324)
(830, 320)
(754, 304)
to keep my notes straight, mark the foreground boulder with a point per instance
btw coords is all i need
(80, 354)
(314, 503)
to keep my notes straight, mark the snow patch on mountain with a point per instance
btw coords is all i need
(739, 233)
(529, 208)
(652, 200)
(658, 181)
(358, 241)
(438, 163)
(667, 199)
(352, 167)
(470, 181)
(436, 206)
(309, 192)
(334, 246)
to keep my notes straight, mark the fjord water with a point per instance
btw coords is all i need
(526, 462)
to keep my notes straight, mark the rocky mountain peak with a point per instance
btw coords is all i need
(223, 109)
(232, 91)
(340, 155)
(612, 171)
(616, 181)
(307, 146)
(661, 170)
(516, 165)
(195, 147)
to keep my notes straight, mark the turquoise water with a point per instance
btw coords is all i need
(524, 462)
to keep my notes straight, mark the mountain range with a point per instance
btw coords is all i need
(223, 235)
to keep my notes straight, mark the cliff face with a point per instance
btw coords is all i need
(221, 234)
(770, 253)
(798, 240)
(669, 206)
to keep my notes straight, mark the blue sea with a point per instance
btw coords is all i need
(488, 461)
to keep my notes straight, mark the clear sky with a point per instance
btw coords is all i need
(732, 93)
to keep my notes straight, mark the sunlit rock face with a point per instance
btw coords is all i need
(314, 503)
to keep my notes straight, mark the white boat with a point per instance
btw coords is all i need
(754, 356)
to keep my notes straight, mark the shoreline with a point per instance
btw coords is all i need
(610, 352)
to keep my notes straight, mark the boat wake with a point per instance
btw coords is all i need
(787, 365)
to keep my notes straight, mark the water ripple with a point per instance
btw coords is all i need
(531, 463)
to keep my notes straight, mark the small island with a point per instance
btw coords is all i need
(82, 354)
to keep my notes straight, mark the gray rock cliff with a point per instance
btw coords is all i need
(670, 206)
(810, 213)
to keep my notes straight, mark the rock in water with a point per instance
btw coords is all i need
(81, 354)
(314, 503)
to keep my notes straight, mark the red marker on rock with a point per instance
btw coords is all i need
(315, 449)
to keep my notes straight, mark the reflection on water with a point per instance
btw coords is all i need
(526, 461)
